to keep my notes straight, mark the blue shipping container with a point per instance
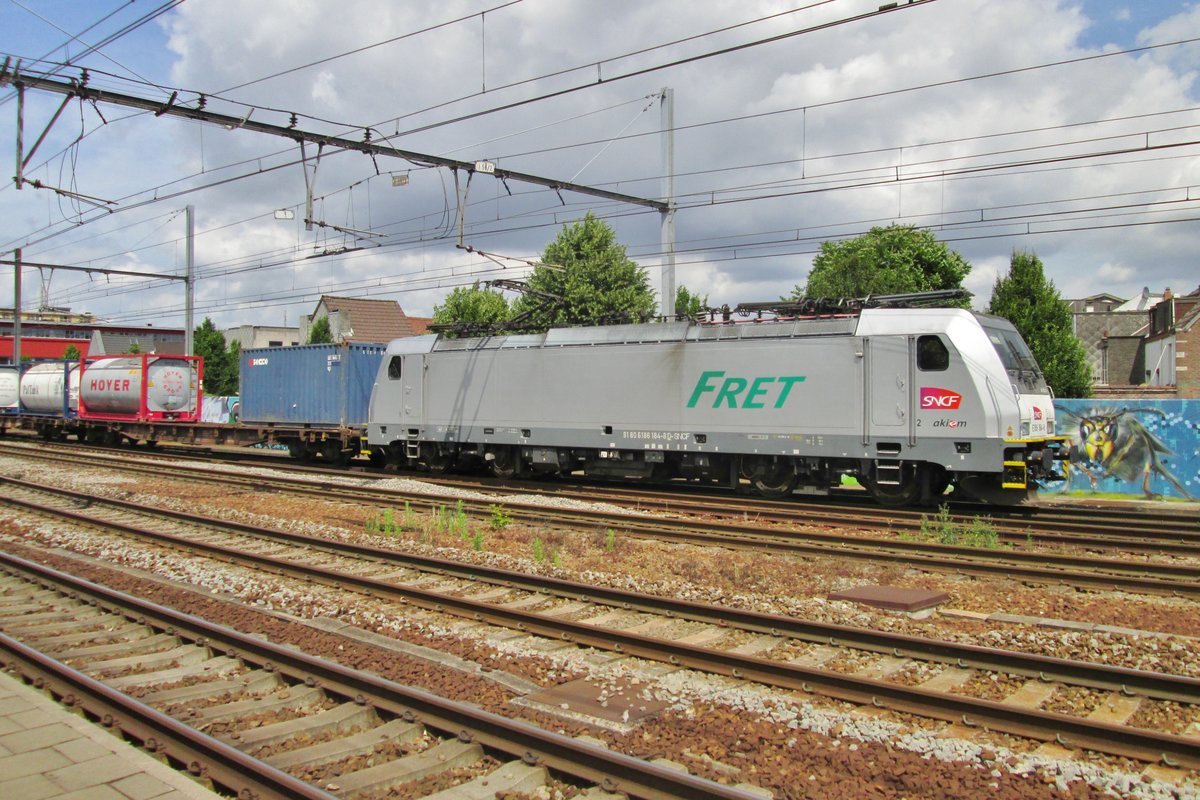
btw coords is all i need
(322, 385)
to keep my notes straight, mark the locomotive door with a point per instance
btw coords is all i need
(412, 379)
(888, 382)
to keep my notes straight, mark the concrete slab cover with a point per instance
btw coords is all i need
(621, 701)
(892, 597)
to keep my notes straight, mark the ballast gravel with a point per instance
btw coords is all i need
(688, 572)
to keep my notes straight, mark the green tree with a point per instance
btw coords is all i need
(233, 383)
(1031, 303)
(472, 304)
(596, 281)
(134, 348)
(320, 332)
(72, 353)
(220, 375)
(892, 260)
(688, 304)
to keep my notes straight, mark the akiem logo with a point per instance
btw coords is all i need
(939, 399)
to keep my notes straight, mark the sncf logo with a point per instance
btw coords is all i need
(1037, 414)
(939, 399)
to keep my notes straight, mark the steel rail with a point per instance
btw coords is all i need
(1128, 681)
(1104, 574)
(204, 756)
(1157, 533)
(613, 771)
(1032, 723)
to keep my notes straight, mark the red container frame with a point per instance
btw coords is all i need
(144, 414)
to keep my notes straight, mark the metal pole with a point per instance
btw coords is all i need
(189, 284)
(17, 308)
(667, 103)
(20, 177)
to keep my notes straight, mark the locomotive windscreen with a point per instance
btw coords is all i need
(1015, 355)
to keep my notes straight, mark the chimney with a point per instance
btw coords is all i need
(1167, 293)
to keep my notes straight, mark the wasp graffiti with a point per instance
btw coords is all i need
(1137, 447)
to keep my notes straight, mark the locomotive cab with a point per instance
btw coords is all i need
(1033, 450)
(953, 399)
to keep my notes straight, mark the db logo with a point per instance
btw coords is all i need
(939, 398)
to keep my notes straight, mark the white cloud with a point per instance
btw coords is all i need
(324, 91)
(846, 100)
(1115, 273)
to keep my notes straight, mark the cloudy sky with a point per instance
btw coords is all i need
(1070, 128)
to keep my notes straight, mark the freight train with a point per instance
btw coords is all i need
(908, 402)
(151, 398)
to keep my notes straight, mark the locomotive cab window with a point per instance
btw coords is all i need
(394, 368)
(932, 355)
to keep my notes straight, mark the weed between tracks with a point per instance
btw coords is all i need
(979, 532)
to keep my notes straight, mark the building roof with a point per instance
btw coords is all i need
(420, 325)
(1188, 308)
(1143, 301)
(1103, 297)
(372, 321)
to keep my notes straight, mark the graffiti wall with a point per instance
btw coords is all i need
(219, 409)
(1143, 448)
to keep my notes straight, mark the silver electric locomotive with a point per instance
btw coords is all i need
(909, 402)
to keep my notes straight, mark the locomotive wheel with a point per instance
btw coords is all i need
(905, 493)
(774, 478)
(504, 462)
(435, 460)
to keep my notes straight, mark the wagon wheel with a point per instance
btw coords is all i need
(332, 452)
(504, 462)
(299, 451)
(773, 477)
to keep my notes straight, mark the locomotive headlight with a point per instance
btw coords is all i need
(1024, 430)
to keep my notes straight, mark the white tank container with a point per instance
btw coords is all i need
(42, 388)
(114, 385)
(10, 388)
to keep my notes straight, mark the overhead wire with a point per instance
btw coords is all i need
(922, 86)
(364, 48)
(126, 30)
(76, 38)
(943, 83)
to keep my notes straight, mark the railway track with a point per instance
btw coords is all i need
(623, 622)
(1115, 528)
(250, 716)
(1178, 577)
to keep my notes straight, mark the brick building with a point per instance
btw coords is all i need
(1171, 356)
(49, 334)
(1142, 347)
